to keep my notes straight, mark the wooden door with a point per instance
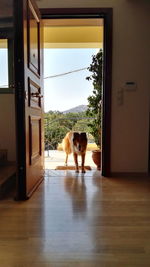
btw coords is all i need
(29, 96)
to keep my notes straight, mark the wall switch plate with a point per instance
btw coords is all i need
(120, 97)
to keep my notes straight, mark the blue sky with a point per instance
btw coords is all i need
(65, 92)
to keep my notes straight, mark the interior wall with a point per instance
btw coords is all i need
(131, 59)
(7, 125)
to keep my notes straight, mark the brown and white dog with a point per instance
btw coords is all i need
(75, 143)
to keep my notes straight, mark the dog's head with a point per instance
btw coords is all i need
(80, 142)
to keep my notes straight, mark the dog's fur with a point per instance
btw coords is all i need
(75, 143)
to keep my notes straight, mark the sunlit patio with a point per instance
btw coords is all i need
(55, 158)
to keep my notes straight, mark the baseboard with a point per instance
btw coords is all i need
(129, 174)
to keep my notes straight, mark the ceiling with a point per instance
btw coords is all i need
(63, 33)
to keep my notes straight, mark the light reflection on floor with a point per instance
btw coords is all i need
(68, 212)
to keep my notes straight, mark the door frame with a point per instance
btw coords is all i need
(19, 103)
(107, 15)
(149, 148)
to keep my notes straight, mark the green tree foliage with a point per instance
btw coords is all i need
(81, 126)
(94, 101)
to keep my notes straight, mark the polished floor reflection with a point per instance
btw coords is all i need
(80, 220)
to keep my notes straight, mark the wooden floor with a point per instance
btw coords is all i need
(78, 220)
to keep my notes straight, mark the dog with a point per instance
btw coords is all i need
(76, 143)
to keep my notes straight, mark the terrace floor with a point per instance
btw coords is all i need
(57, 158)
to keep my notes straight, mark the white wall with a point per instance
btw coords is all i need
(131, 62)
(7, 125)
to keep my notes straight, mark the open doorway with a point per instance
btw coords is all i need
(69, 48)
(29, 90)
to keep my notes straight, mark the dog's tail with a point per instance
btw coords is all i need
(66, 144)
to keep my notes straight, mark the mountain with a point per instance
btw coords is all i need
(80, 108)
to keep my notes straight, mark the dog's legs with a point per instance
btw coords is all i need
(66, 160)
(76, 161)
(82, 163)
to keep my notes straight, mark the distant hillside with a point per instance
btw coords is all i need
(80, 108)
